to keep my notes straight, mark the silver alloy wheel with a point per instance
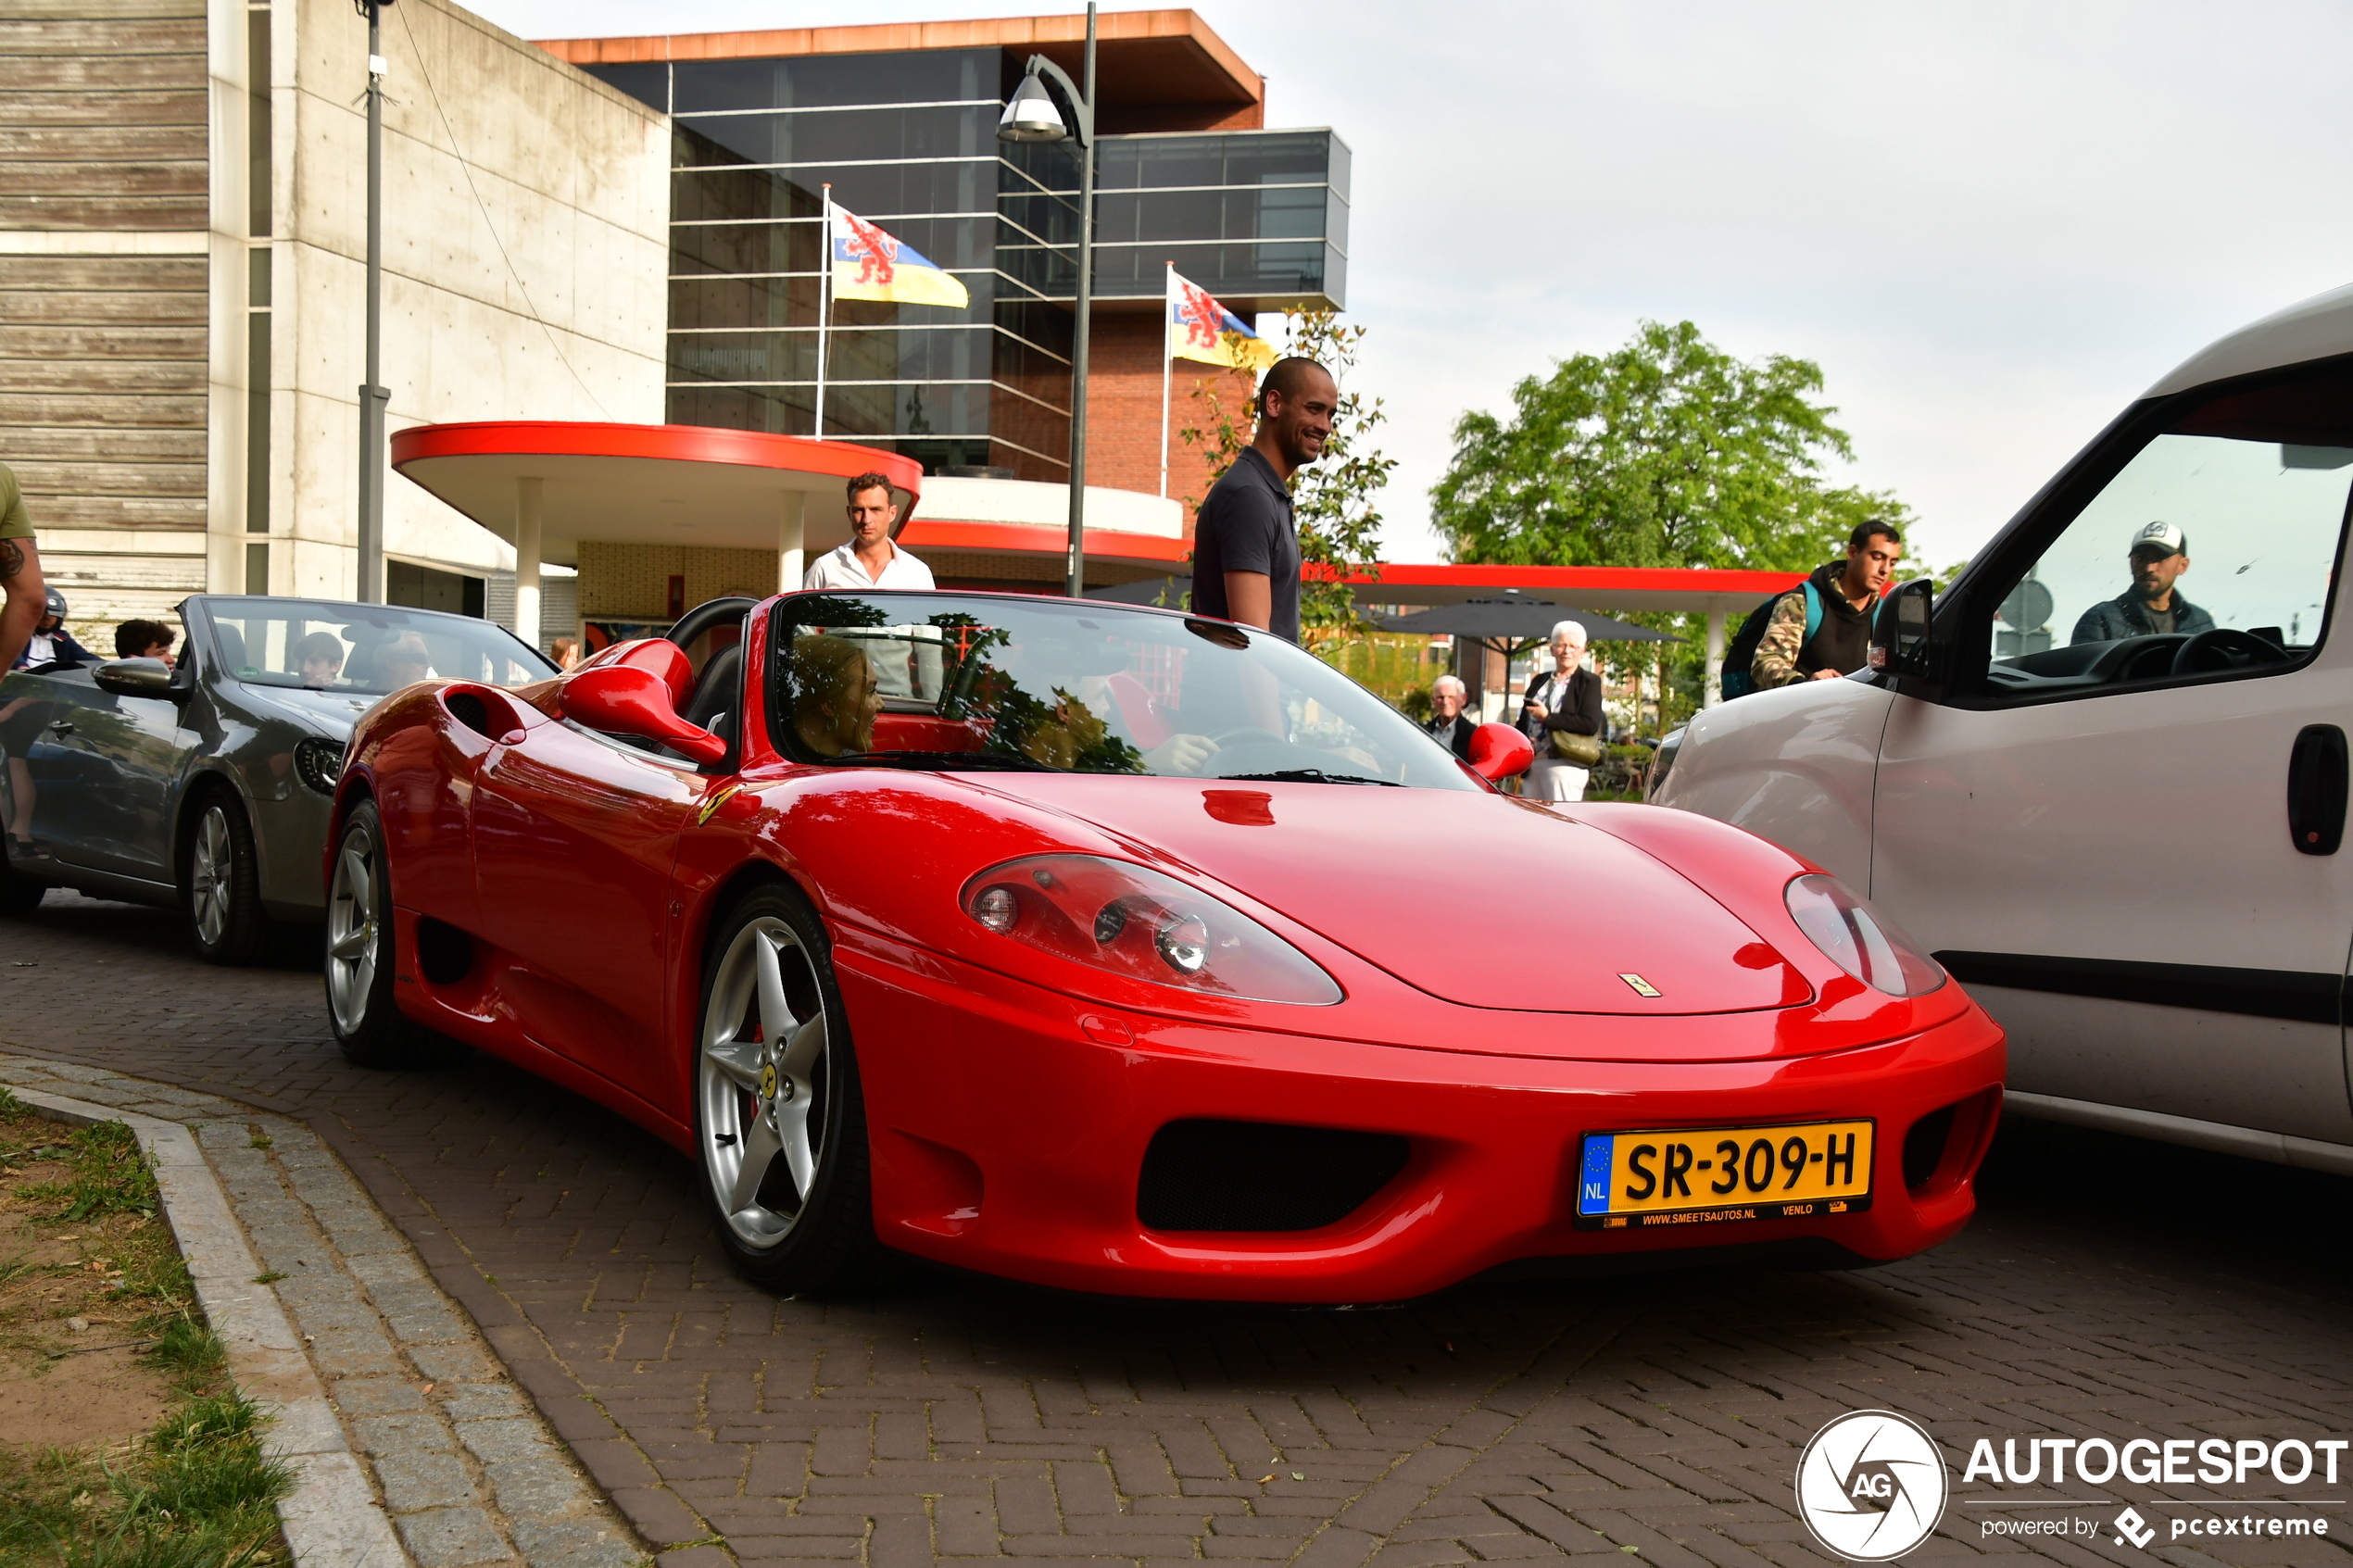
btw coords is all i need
(351, 931)
(763, 1080)
(211, 868)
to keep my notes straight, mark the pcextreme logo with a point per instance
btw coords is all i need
(1871, 1486)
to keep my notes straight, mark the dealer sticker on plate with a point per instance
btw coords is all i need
(1688, 1175)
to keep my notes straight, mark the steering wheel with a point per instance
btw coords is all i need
(2223, 647)
(1251, 731)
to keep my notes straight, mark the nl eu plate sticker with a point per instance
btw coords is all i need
(1593, 1180)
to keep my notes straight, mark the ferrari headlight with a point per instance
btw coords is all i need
(320, 762)
(1136, 923)
(1859, 939)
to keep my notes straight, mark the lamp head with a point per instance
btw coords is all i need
(1031, 115)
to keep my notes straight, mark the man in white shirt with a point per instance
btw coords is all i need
(870, 559)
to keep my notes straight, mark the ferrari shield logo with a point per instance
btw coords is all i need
(768, 1082)
(717, 799)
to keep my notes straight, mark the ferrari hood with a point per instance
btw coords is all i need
(1480, 898)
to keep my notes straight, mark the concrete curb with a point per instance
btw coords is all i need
(331, 1518)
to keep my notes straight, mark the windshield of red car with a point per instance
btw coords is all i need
(952, 682)
(365, 650)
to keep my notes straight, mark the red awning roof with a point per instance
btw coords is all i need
(1681, 589)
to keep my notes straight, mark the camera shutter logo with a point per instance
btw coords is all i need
(1871, 1486)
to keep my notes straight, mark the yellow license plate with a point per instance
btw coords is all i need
(1683, 1176)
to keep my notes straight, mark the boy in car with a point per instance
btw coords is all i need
(319, 657)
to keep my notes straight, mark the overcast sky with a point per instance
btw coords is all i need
(1991, 224)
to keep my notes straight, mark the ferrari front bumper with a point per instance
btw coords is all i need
(1009, 1126)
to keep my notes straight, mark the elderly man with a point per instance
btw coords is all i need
(1567, 701)
(1449, 725)
(403, 661)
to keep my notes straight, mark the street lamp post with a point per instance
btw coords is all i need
(1031, 116)
(373, 397)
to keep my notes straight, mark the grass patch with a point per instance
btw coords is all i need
(109, 1177)
(190, 1353)
(199, 1490)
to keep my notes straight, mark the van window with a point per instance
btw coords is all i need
(2211, 552)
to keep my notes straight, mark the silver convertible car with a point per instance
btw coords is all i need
(207, 785)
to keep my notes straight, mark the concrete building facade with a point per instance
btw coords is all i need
(183, 207)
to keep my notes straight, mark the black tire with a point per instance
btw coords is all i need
(221, 882)
(820, 1242)
(360, 957)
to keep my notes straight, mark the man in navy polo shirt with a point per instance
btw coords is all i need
(1245, 541)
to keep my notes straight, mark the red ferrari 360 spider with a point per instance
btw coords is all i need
(1125, 950)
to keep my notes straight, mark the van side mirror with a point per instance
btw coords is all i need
(1498, 752)
(137, 677)
(626, 699)
(1899, 633)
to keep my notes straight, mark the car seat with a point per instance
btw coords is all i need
(233, 647)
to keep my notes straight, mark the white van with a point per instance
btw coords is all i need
(2114, 809)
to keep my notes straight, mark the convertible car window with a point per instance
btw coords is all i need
(363, 649)
(941, 681)
(2211, 550)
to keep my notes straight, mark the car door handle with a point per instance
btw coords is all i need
(2317, 776)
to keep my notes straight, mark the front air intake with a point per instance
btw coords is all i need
(1209, 1175)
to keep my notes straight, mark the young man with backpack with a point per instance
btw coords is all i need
(1821, 629)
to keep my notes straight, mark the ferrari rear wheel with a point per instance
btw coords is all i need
(223, 883)
(780, 1126)
(368, 1024)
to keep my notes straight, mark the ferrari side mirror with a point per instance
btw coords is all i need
(1498, 752)
(1899, 635)
(624, 699)
(137, 677)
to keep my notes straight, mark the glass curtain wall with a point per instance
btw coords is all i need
(1248, 215)
(908, 142)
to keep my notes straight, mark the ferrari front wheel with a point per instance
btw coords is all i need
(780, 1126)
(369, 1026)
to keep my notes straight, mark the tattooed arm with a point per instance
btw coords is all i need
(20, 577)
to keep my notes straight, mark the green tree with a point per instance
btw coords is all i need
(1334, 499)
(1664, 452)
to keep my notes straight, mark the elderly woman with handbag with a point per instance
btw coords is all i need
(1562, 713)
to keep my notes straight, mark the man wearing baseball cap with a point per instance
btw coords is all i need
(2158, 556)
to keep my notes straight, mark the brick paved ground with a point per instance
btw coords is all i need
(2110, 1288)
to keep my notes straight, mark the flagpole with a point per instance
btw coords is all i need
(824, 305)
(1167, 378)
